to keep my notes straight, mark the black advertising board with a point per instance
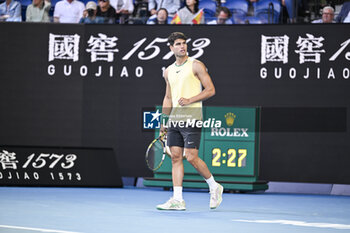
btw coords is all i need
(54, 166)
(86, 86)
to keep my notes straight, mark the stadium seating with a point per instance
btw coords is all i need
(24, 5)
(209, 7)
(254, 20)
(238, 8)
(141, 14)
(291, 8)
(154, 17)
(25, 2)
(268, 10)
(53, 4)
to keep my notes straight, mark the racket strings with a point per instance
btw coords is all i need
(155, 155)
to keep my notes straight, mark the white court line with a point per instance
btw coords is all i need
(299, 223)
(36, 229)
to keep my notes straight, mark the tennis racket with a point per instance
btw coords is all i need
(156, 152)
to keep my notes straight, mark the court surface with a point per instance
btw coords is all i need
(105, 210)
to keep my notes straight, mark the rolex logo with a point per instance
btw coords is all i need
(230, 118)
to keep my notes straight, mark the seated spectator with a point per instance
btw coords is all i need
(10, 11)
(124, 8)
(344, 14)
(89, 15)
(160, 18)
(223, 16)
(170, 5)
(289, 9)
(106, 11)
(38, 11)
(327, 15)
(68, 11)
(189, 14)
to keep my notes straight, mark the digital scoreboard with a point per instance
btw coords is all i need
(230, 151)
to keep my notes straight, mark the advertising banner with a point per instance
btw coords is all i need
(86, 86)
(49, 166)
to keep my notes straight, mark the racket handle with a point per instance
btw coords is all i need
(162, 134)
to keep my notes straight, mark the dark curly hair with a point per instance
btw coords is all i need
(176, 35)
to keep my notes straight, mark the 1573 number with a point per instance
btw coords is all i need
(41, 160)
(154, 50)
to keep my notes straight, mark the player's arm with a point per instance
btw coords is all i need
(167, 101)
(200, 71)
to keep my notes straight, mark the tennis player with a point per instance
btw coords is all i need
(187, 85)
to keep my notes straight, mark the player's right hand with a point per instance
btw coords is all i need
(162, 130)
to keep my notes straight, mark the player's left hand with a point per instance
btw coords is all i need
(184, 101)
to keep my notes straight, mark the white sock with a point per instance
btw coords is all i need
(212, 183)
(177, 193)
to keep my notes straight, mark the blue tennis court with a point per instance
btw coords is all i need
(130, 209)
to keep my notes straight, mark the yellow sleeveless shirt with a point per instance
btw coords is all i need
(183, 83)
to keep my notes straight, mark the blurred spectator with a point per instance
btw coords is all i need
(189, 14)
(251, 7)
(160, 18)
(38, 11)
(10, 11)
(289, 10)
(223, 16)
(124, 8)
(68, 11)
(170, 5)
(344, 14)
(327, 15)
(106, 12)
(89, 15)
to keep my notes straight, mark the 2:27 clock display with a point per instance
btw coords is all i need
(230, 158)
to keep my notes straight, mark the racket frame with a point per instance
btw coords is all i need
(160, 139)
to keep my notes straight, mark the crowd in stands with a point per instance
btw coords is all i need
(175, 11)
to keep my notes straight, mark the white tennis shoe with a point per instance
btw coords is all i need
(216, 197)
(172, 204)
